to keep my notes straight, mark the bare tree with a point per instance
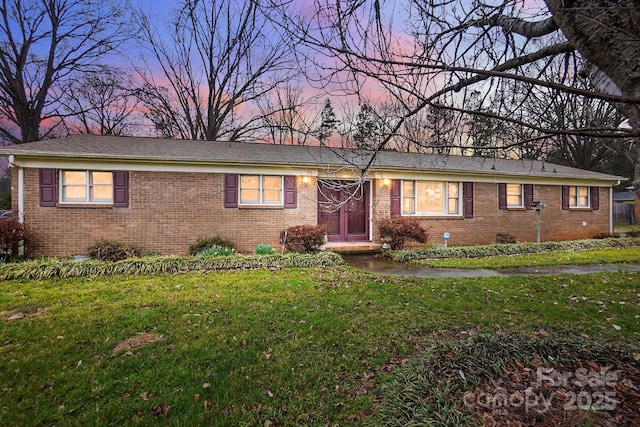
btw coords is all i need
(283, 115)
(101, 103)
(216, 58)
(450, 49)
(43, 45)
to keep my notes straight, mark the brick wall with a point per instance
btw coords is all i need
(555, 223)
(169, 211)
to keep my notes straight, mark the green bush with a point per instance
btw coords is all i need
(216, 251)
(12, 232)
(264, 249)
(502, 238)
(435, 252)
(305, 239)
(633, 233)
(398, 230)
(49, 268)
(209, 242)
(107, 250)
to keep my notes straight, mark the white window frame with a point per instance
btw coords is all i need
(88, 184)
(520, 195)
(446, 198)
(574, 199)
(261, 201)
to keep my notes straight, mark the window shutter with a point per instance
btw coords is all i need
(120, 189)
(47, 187)
(502, 196)
(528, 196)
(230, 190)
(290, 192)
(595, 198)
(565, 197)
(395, 197)
(467, 199)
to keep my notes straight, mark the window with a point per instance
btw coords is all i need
(578, 197)
(430, 198)
(86, 187)
(260, 190)
(514, 196)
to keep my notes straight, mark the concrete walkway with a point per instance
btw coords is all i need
(382, 265)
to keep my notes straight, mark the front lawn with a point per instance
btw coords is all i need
(315, 346)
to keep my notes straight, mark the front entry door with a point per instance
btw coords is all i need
(343, 208)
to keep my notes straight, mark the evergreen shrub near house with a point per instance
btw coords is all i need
(479, 251)
(502, 238)
(305, 239)
(108, 250)
(50, 268)
(209, 242)
(264, 249)
(397, 231)
(12, 232)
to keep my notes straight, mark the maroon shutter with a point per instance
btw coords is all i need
(528, 196)
(502, 196)
(230, 190)
(467, 198)
(565, 197)
(595, 198)
(290, 192)
(47, 187)
(395, 197)
(120, 189)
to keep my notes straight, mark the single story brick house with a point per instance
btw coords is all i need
(162, 195)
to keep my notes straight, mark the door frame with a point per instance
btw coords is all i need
(343, 216)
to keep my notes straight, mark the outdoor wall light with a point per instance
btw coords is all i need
(386, 182)
(306, 179)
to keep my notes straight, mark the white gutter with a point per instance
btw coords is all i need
(611, 209)
(371, 184)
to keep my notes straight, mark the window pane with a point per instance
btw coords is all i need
(453, 190)
(408, 199)
(514, 195)
(75, 193)
(272, 182)
(101, 178)
(584, 196)
(75, 177)
(272, 196)
(430, 196)
(453, 206)
(102, 193)
(249, 182)
(249, 196)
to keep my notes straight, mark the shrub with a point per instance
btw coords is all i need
(614, 235)
(12, 232)
(398, 230)
(303, 238)
(633, 233)
(264, 249)
(216, 251)
(107, 250)
(503, 238)
(209, 242)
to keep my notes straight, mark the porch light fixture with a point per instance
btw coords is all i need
(386, 182)
(306, 179)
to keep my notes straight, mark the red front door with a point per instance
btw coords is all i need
(343, 208)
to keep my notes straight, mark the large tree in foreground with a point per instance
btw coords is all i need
(210, 65)
(437, 54)
(44, 44)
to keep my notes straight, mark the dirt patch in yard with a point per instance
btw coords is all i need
(136, 341)
(19, 314)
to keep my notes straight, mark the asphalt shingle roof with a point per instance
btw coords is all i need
(237, 153)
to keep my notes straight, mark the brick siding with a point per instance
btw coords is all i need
(168, 211)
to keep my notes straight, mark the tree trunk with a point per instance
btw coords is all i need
(606, 33)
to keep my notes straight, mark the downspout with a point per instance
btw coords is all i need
(12, 164)
(611, 224)
(371, 184)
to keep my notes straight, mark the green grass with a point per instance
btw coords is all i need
(290, 347)
(557, 258)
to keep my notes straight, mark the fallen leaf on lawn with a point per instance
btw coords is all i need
(144, 396)
(161, 409)
(617, 327)
(206, 385)
(269, 393)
